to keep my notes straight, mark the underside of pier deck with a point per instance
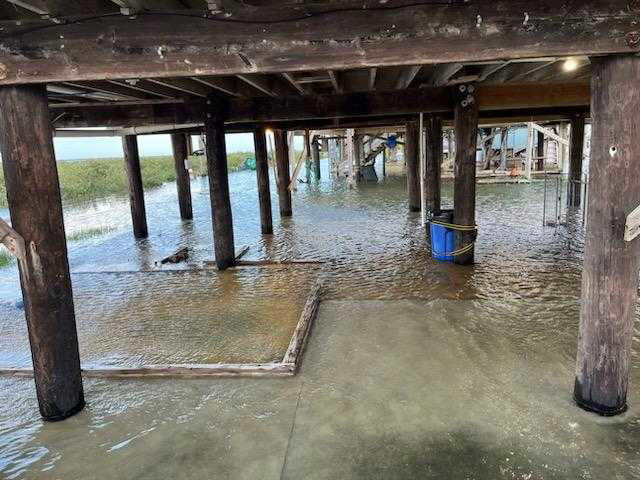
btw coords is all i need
(197, 66)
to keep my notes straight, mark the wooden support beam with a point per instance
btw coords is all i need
(443, 73)
(219, 188)
(289, 78)
(183, 181)
(464, 190)
(262, 174)
(35, 6)
(407, 76)
(315, 154)
(373, 75)
(433, 163)
(540, 152)
(412, 137)
(35, 206)
(576, 154)
(504, 137)
(259, 83)
(283, 174)
(136, 192)
(335, 81)
(610, 271)
(525, 97)
(173, 46)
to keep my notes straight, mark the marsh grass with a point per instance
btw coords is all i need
(83, 181)
(5, 258)
(88, 233)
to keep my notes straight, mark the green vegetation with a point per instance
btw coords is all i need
(87, 180)
(88, 233)
(5, 258)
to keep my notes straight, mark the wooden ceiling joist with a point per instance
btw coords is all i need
(335, 81)
(191, 44)
(334, 106)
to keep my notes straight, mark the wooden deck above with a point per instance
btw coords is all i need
(141, 62)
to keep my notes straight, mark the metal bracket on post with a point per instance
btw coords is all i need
(12, 240)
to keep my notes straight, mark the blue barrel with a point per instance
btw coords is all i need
(443, 239)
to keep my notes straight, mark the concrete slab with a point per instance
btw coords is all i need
(412, 389)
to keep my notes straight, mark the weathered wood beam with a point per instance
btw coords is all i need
(35, 6)
(411, 153)
(144, 87)
(433, 162)
(289, 78)
(406, 76)
(333, 76)
(501, 98)
(33, 193)
(173, 46)
(443, 73)
(610, 271)
(260, 83)
(464, 190)
(576, 153)
(222, 220)
(373, 74)
(262, 174)
(136, 191)
(283, 176)
(183, 85)
(181, 157)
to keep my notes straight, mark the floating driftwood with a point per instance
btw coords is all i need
(180, 256)
(266, 263)
(293, 355)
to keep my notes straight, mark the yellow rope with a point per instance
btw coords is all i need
(460, 228)
(451, 226)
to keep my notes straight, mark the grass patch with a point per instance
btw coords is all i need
(5, 258)
(87, 180)
(88, 233)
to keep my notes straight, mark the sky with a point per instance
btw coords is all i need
(149, 145)
(153, 145)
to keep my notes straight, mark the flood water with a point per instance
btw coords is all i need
(501, 339)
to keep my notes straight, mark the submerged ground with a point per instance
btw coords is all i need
(414, 369)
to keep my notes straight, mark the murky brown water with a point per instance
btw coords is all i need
(520, 302)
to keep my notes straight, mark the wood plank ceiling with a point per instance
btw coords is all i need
(149, 90)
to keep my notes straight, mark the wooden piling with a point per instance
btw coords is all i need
(504, 147)
(412, 137)
(433, 162)
(464, 192)
(283, 175)
(35, 206)
(262, 172)
(180, 147)
(219, 191)
(315, 154)
(574, 188)
(136, 192)
(540, 152)
(610, 270)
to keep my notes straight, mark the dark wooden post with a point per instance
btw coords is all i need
(219, 189)
(540, 152)
(575, 161)
(180, 156)
(136, 192)
(464, 192)
(262, 172)
(283, 175)
(433, 162)
(35, 206)
(412, 136)
(610, 271)
(315, 154)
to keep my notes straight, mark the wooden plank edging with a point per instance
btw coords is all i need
(286, 368)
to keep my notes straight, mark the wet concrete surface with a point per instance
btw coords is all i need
(415, 369)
